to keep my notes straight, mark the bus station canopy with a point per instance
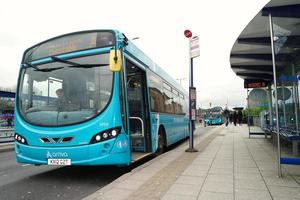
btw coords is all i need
(251, 54)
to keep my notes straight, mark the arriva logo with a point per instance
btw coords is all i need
(121, 144)
(57, 154)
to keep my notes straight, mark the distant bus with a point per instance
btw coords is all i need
(214, 120)
(214, 116)
(94, 98)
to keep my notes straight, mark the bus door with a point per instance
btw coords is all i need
(139, 115)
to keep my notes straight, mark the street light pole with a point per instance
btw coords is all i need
(180, 79)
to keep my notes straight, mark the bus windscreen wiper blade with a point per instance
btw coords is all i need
(76, 65)
(27, 64)
(48, 69)
(42, 70)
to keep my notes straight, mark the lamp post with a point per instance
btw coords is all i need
(180, 79)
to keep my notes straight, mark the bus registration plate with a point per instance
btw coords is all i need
(59, 161)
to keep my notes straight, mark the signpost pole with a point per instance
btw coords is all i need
(192, 97)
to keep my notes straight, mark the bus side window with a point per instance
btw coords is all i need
(156, 93)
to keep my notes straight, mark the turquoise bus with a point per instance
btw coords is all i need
(214, 116)
(94, 98)
(214, 120)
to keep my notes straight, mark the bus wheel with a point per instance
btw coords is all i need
(161, 146)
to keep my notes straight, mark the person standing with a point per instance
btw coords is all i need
(235, 117)
(240, 117)
(226, 115)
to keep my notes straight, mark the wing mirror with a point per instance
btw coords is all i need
(115, 61)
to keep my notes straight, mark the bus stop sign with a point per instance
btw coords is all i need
(188, 33)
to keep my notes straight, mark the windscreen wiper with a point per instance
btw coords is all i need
(27, 64)
(48, 69)
(42, 70)
(76, 65)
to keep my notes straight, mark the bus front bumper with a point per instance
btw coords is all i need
(108, 153)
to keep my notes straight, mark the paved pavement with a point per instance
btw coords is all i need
(228, 165)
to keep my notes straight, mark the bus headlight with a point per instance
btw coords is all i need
(106, 135)
(98, 137)
(113, 133)
(20, 139)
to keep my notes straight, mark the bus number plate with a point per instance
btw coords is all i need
(59, 161)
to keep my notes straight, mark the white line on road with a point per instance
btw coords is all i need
(25, 165)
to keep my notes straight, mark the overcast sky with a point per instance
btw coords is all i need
(159, 24)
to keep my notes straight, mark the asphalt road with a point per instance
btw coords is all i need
(44, 182)
(19, 181)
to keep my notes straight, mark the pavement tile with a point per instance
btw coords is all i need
(115, 194)
(225, 165)
(244, 165)
(247, 176)
(285, 181)
(262, 158)
(215, 196)
(178, 197)
(248, 160)
(151, 170)
(228, 171)
(271, 173)
(225, 178)
(201, 158)
(293, 169)
(286, 198)
(246, 194)
(195, 166)
(256, 184)
(141, 176)
(297, 178)
(192, 172)
(266, 162)
(287, 192)
(184, 189)
(190, 180)
(216, 186)
(246, 170)
(243, 159)
(223, 161)
(129, 184)
(266, 167)
(207, 156)
(229, 158)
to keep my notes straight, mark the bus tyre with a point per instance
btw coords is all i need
(161, 146)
